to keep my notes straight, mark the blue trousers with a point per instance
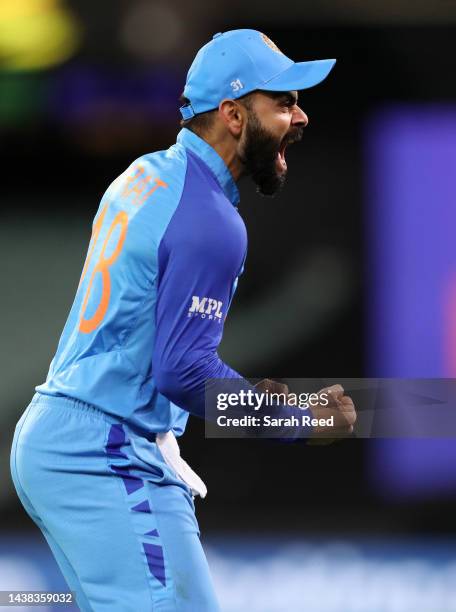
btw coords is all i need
(120, 523)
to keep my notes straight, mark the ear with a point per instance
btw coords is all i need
(233, 115)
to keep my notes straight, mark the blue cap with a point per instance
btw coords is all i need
(237, 62)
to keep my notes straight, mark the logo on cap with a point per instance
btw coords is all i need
(271, 44)
(236, 85)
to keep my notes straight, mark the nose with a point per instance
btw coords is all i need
(299, 118)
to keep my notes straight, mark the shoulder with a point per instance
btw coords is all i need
(166, 162)
(205, 222)
(162, 171)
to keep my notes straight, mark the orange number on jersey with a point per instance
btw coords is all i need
(88, 325)
(141, 194)
(93, 239)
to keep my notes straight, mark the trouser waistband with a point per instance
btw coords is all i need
(84, 407)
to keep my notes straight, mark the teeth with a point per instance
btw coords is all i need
(281, 161)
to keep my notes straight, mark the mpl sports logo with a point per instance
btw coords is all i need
(205, 307)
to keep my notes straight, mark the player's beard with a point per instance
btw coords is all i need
(259, 157)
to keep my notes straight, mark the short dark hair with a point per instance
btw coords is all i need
(202, 123)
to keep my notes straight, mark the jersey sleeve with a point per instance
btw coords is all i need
(200, 257)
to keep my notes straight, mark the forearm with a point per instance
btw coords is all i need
(186, 385)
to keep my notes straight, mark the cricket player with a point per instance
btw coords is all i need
(95, 460)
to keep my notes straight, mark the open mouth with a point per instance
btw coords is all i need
(289, 139)
(281, 162)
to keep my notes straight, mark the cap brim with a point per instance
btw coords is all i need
(301, 75)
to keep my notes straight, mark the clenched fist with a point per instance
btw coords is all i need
(336, 405)
(340, 407)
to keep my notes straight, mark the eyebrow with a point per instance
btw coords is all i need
(285, 96)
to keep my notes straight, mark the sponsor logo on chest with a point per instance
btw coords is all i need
(206, 308)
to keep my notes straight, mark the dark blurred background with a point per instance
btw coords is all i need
(87, 87)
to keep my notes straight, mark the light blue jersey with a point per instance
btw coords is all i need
(167, 247)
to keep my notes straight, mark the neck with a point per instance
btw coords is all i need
(226, 148)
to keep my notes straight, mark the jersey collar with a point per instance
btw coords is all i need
(211, 158)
